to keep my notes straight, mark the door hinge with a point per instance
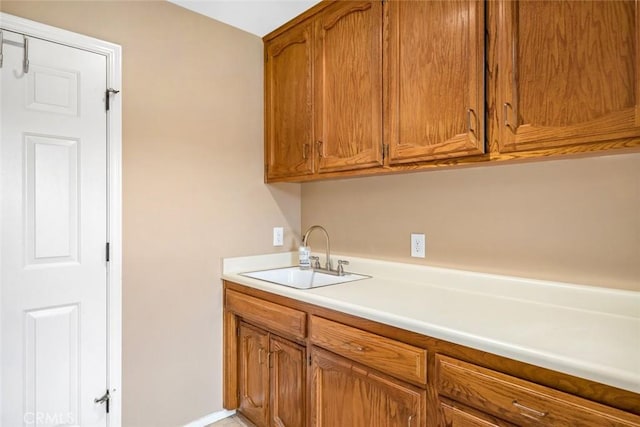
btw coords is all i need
(238, 331)
(104, 399)
(108, 251)
(309, 360)
(107, 97)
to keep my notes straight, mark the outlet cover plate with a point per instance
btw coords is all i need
(417, 245)
(278, 236)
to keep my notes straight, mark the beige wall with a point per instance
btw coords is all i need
(572, 220)
(193, 192)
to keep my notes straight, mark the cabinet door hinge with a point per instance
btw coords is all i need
(309, 360)
(108, 252)
(107, 97)
(104, 399)
(237, 331)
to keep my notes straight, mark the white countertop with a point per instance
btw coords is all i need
(586, 331)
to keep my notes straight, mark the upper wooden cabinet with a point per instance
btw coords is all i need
(568, 73)
(435, 69)
(323, 93)
(289, 104)
(348, 86)
(366, 87)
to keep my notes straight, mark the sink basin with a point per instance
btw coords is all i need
(302, 279)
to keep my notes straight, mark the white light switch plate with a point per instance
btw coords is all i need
(278, 236)
(417, 245)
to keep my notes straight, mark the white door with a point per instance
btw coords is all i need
(53, 278)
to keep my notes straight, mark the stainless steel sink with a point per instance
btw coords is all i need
(294, 277)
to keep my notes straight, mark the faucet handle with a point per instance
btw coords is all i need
(316, 261)
(340, 270)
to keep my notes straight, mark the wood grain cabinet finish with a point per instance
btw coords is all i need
(454, 415)
(288, 383)
(521, 402)
(435, 77)
(271, 378)
(344, 393)
(349, 371)
(370, 87)
(393, 357)
(289, 104)
(348, 86)
(253, 372)
(274, 317)
(568, 73)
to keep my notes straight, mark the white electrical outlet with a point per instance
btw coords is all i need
(278, 236)
(417, 245)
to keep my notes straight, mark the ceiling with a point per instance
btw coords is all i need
(258, 17)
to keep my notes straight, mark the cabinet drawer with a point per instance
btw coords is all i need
(272, 316)
(520, 401)
(387, 355)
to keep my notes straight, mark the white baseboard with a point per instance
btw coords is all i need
(211, 418)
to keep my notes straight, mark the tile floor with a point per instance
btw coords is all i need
(232, 421)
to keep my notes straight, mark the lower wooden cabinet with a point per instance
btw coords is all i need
(293, 364)
(288, 386)
(271, 378)
(253, 373)
(518, 401)
(344, 393)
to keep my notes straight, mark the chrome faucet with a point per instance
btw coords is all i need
(305, 240)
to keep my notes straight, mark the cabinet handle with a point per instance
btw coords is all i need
(305, 150)
(530, 412)
(470, 114)
(356, 347)
(260, 351)
(505, 107)
(409, 420)
(320, 148)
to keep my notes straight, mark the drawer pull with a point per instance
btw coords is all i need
(356, 347)
(530, 412)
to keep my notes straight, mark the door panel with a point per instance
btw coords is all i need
(287, 383)
(51, 215)
(52, 356)
(253, 372)
(347, 394)
(348, 78)
(583, 56)
(435, 103)
(289, 104)
(54, 228)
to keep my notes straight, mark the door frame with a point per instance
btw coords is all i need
(113, 54)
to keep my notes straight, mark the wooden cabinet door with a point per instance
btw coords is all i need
(348, 86)
(434, 72)
(288, 383)
(568, 73)
(253, 374)
(289, 104)
(346, 394)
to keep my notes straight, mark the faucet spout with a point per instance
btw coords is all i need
(305, 240)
